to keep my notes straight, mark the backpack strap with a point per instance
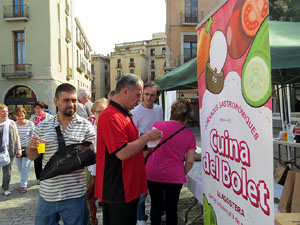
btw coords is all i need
(164, 141)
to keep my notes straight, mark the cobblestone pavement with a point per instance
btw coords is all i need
(19, 209)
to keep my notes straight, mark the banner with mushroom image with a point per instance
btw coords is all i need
(234, 82)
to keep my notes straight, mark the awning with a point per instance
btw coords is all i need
(181, 78)
(285, 52)
(285, 60)
(285, 44)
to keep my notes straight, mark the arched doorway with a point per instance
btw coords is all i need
(20, 96)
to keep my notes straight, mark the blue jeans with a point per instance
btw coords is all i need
(23, 165)
(72, 211)
(141, 214)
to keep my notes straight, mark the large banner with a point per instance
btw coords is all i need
(234, 80)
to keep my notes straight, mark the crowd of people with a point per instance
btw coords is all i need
(136, 152)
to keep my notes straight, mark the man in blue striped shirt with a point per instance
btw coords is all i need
(62, 196)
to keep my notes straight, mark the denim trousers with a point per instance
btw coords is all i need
(141, 214)
(6, 175)
(72, 211)
(23, 165)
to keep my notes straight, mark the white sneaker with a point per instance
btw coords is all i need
(6, 193)
(141, 222)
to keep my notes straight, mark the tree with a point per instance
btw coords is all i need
(284, 10)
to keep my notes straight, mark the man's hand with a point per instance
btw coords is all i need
(35, 141)
(31, 150)
(153, 135)
(134, 147)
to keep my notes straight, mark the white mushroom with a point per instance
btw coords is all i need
(218, 51)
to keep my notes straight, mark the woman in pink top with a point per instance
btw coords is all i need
(167, 166)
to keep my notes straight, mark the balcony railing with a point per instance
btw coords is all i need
(16, 12)
(87, 54)
(79, 43)
(126, 52)
(131, 64)
(68, 35)
(119, 65)
(152, 66)
(190, 18)
(79, 69)
(16, 70)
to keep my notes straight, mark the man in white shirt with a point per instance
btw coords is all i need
(146, 113)
(144, 116)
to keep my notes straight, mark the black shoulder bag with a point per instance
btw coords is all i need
(68, 158)
(161, 143)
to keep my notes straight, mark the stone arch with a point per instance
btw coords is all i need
(20, 96)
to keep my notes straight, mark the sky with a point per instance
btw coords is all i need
(110, 22)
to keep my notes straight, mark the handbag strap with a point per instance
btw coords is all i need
(60, 138)
(164, 141)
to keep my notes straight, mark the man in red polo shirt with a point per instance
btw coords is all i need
(120, 169)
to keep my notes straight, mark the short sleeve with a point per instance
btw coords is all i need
(32, 128)
(135, 119)
(160, 113)
(90, 133)
(114, 134)
(192, 142)
(36, 131)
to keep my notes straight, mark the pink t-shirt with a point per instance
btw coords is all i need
(166, 164)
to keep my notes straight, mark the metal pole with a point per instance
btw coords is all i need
(288, 109)
(281, 105)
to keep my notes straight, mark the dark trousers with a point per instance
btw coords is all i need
(160, 192)
(120, 213)
(38, 166)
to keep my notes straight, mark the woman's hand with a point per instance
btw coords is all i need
(19, 154)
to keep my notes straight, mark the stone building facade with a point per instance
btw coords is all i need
(42, 46)
(101, 76)
(143, 58)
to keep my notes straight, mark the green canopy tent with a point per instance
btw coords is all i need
(285, 64)
(285, 52)
(285, 60)
(181, 78)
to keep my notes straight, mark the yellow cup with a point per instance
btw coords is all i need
(41, 148)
